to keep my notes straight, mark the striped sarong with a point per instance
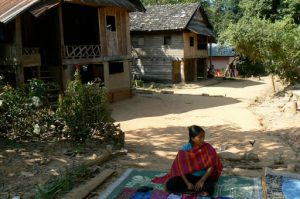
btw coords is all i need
(196, 159)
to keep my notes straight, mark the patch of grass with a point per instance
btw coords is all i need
(63, 183)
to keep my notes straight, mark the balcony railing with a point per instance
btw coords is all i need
(30, 51)
(31, 57)
(82, 51)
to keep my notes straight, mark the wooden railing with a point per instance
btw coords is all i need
(82, 51)
(31, 57)
(30, 51)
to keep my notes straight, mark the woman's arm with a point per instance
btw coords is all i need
(200, 183)
(189, 185)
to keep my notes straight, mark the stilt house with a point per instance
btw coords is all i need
(170, 43)
(48, 39)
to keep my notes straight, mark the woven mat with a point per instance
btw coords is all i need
(281, 185)
(236, 187)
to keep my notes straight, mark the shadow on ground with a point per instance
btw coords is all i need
(164, 104)
(157, 147)
(235, 83)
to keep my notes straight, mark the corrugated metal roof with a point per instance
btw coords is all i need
(41, 7)
(132, 5)
(11, 8)
(221, 51)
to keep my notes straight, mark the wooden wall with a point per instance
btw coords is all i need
(192, 51)
(153, 69)
(153, 45)
(114, 43)
(154, 58)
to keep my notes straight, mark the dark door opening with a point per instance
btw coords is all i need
(80, 25)
(201, 69)
(92, 73)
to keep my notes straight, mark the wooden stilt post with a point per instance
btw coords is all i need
(182, 71)
(19, 68)
(273, 83)
(195, 70)
(62, 48)
(295, 107)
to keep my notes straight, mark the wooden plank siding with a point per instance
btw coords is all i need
(114, 43)
(102, 31)
(155, 58)
(154, 46)
(159, 70)
(192, 51)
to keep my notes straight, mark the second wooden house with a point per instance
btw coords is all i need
(170, 43)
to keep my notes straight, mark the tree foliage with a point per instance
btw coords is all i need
(265, 31)
(268, 32)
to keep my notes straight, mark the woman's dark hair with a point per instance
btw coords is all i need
(194, 131)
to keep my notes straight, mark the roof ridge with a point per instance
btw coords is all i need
(176, 4)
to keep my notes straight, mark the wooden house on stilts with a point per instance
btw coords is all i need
(48, 39)
(170, 43)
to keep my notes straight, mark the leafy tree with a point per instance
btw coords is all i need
(265, 31)
(274, 44)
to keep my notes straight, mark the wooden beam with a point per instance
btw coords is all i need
(128, 41)
(195, 70)
(102, 30)
(119, 32)
(62, 45)
(84, 190)
(61, 31)
(19, 68)
(210, 54)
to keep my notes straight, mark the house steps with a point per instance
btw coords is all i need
(52, 89)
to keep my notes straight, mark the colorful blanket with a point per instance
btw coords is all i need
(195, 159)
(130, 193)
(236, 187)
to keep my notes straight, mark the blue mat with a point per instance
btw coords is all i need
(281, 185)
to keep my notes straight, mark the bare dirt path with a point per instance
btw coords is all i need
(155, 124)
(232, 112)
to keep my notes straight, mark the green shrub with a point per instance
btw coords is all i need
(22, 117)
(36, 87)
(247, 68)
(85, 111)
(1, 84)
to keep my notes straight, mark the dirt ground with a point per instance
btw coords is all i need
(233, 112)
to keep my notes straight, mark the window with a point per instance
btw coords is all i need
(137, 41)
(191, 41)
(116, 67)
(201, 42)
(111, 23)
(167, 40)
(141, 41)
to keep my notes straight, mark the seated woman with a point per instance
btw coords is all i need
(196, 168)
